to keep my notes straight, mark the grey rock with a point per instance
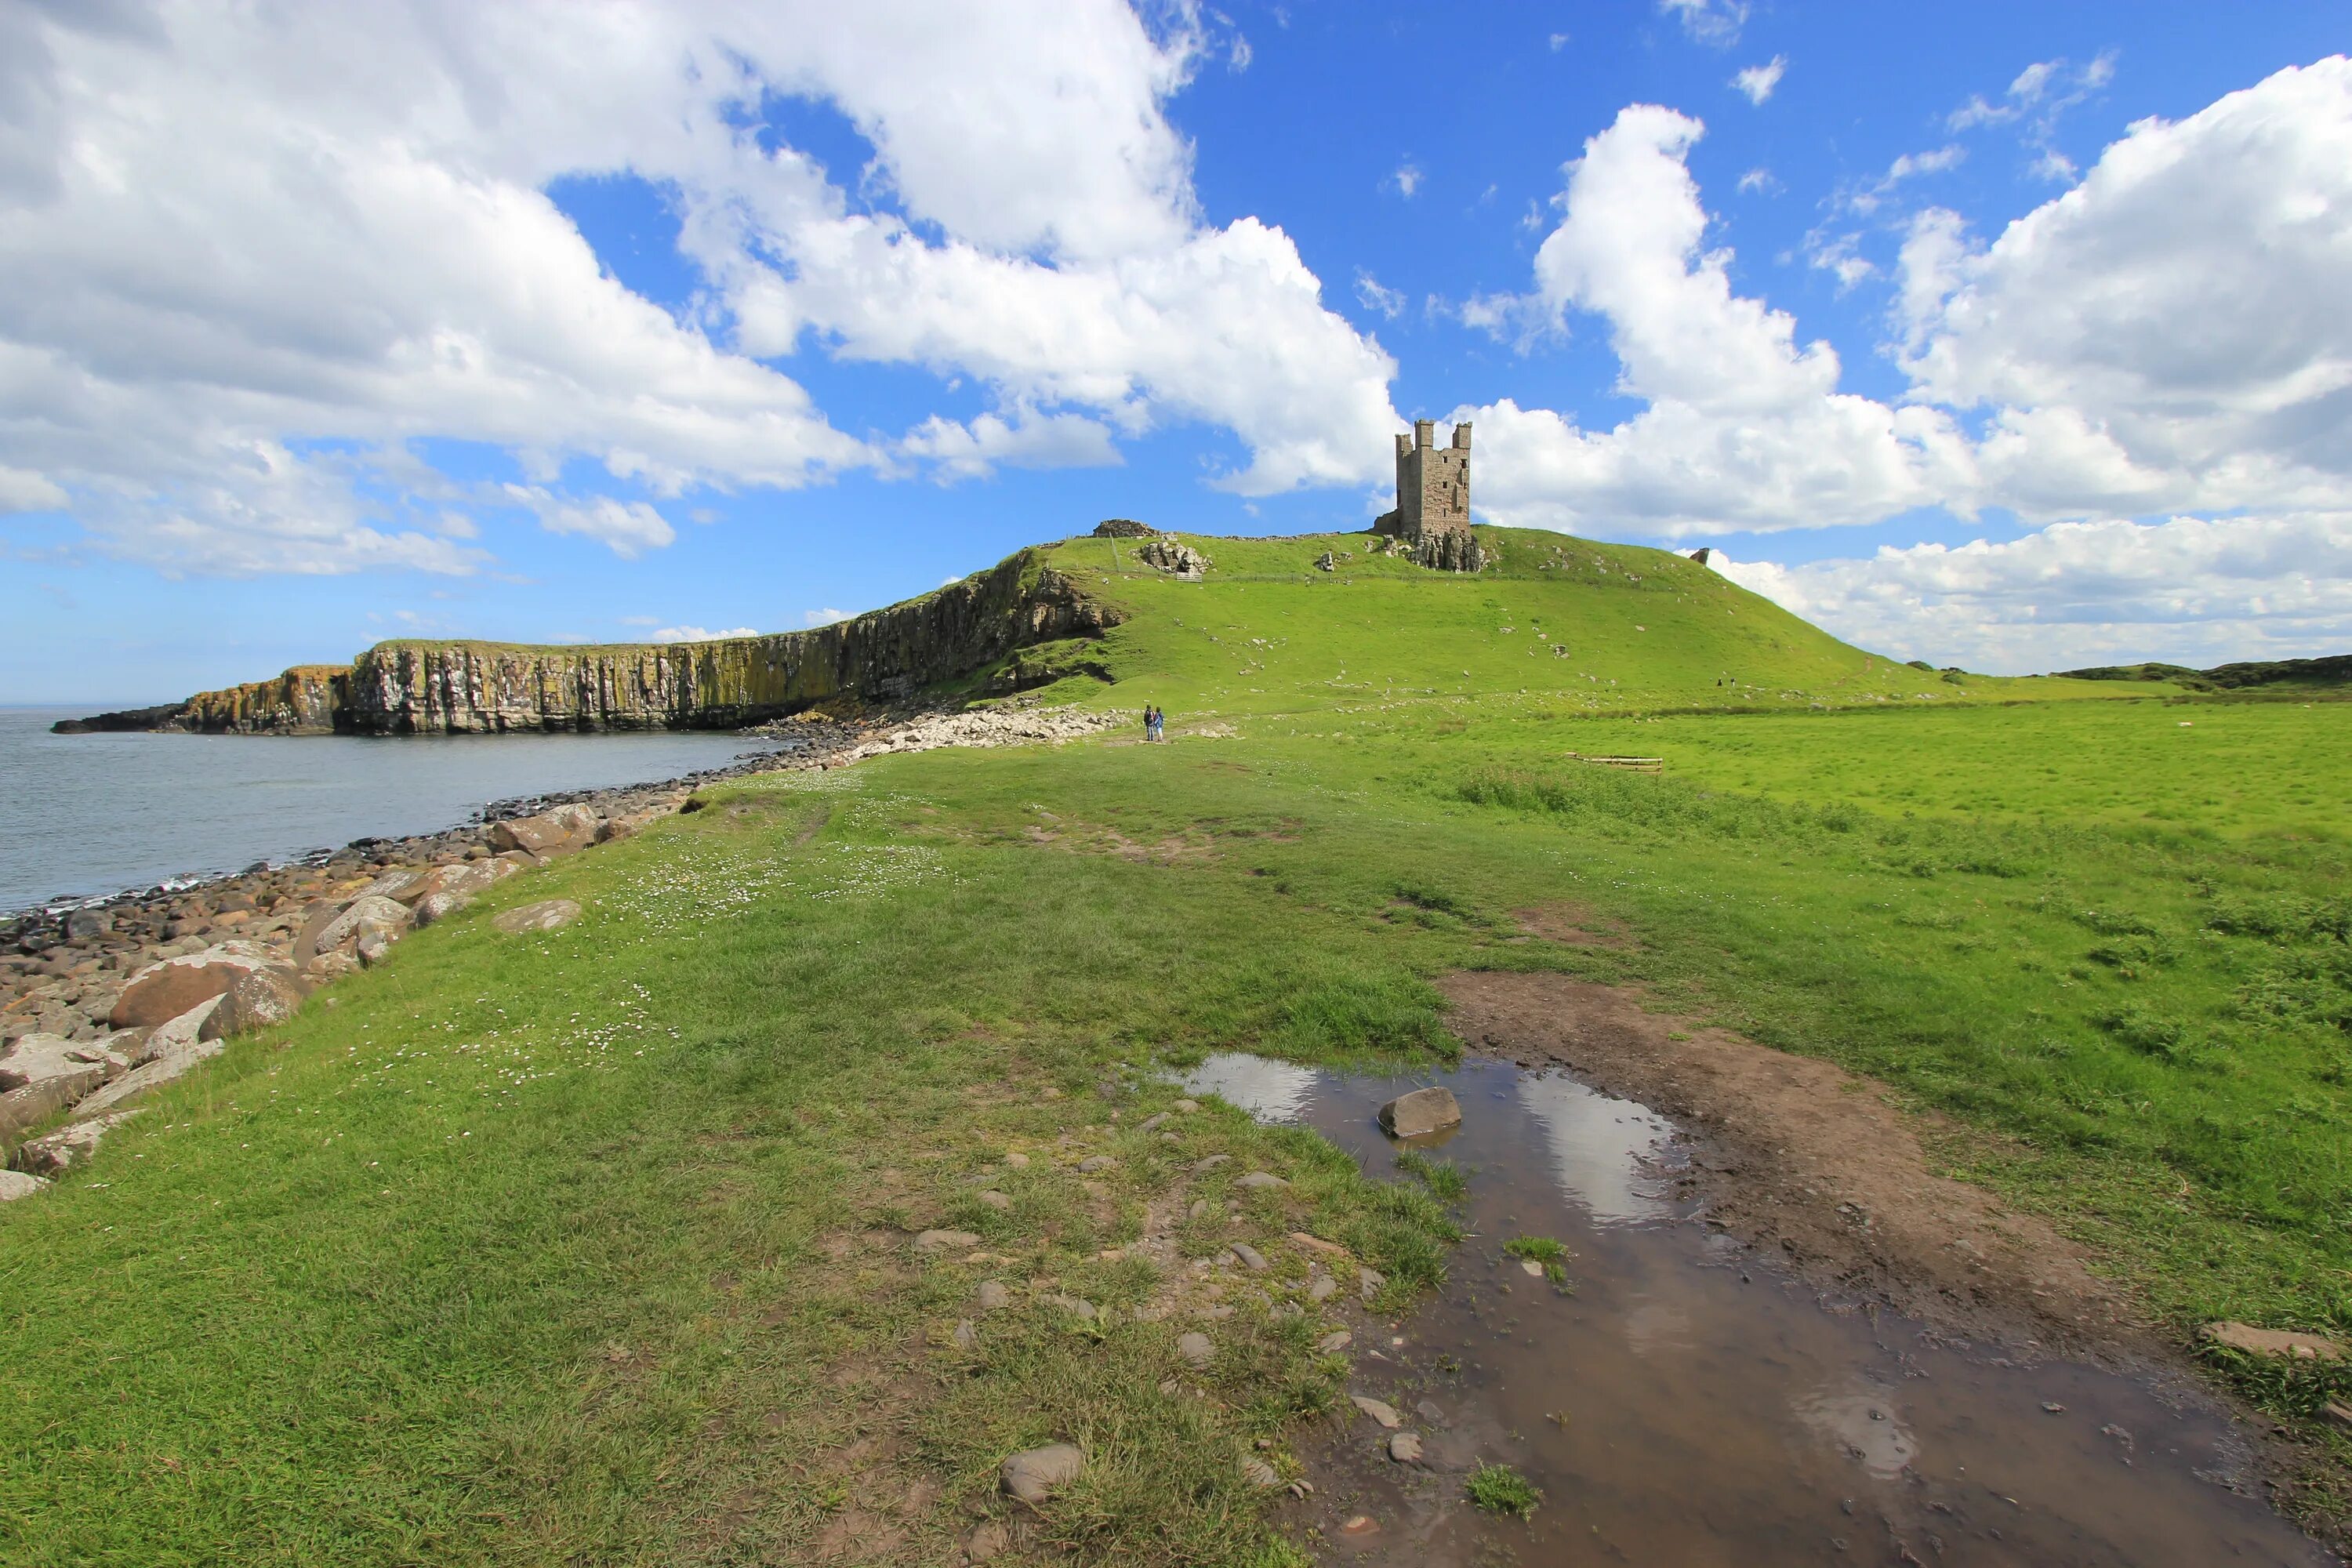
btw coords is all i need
(434, 907)
(1036, 1474)
(987, 1540)
(262, 999)
(545, 915)
(84, 924)
(168, 989)
(566, 830)
(1335, 1342)
(1405, 1449)
(1261, 1180)
(17, 1184)
(1322, 1289)
(1076, 1306)
(176, 1046)
(1200, 1208)
(1094, 1162)
(1422, 1112)
(1251, 1257)
(941, 1240)
(68, 1146)
(1187, 1106)
(371, 913)
(1260, 1474)
(1369, 1281)
(1153, 1123)
(1212, 1162)
(996, 1201)
(1196, 1350)
(1380, 1410)
(967, 1334)
(992, 1295)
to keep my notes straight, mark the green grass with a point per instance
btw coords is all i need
(1543, 1251)
(1442, 1177)
(594, 1245)
(1498, 1489)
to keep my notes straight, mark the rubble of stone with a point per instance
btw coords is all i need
(1124, 527)
(100, 1003)
(1177, 559)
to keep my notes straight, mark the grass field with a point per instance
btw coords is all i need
(595, 1246)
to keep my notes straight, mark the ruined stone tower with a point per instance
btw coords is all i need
(1432, 510)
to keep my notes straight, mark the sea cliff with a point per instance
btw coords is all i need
(965, 629)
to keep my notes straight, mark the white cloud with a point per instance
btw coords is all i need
(1758, 81)
(1389, 303)
(641, 620)
(628, 529)
(2173, 333)
(1758, 181)
(1741, 428)
(1976, 112)
(222, 237)
(1870, 196)
(2039, 96)
(1407, 179)
(1558, 41)
(2187, 590)
(21, 490)
(1715, 23)
(826, 617)
(978, 449)
(697, 634)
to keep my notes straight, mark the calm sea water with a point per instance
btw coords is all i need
(88, 815)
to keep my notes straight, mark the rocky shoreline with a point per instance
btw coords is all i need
(107, 999)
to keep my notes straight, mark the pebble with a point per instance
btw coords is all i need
(1036, 1474)
(1094, 1162)
(1153, 1123)
(1405, 1449)
(1336, 1340)
(1196, 1350)
(1250, 1257)
(992, 1295)
(1323, 1288)
(1017, 1160)
(1187, 1106)
(1380, 1410)
(967, 1334)
(996, 1201)
(1260, 1474)
(939, 1240)
(1212, 1162)
(1257, 1180)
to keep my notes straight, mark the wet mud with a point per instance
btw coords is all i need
(1686, 1398)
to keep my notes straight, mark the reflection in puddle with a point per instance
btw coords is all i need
(1598, 1145)
(1268, 1090)
(1862, 1426)
(1683, 1402)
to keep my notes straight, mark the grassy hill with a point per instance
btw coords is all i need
(1569, 624)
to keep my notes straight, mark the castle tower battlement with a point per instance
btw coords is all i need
(1432, 485)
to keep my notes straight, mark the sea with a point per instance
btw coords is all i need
(83, 816)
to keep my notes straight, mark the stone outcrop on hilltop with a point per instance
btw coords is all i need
(461, 688)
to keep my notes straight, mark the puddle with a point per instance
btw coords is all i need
(1688, 1404)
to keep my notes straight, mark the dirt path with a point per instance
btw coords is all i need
(1800, 1155)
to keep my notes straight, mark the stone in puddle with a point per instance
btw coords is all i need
(1420, 1113)
(1036, 1474)
(1405, 1449)
(2281, 1343)
(1379, 1410)
(1196, 1350)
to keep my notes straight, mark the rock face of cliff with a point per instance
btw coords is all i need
(463, 688)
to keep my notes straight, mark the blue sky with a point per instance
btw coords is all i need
(594, 324)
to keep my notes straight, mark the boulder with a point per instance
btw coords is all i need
(43, 1073)
(463, 880)
(368, 912)
(1420, 1113)
(17, 1184)
(563, 831)
(399, 884)
(545, 915)
(261, 1000)
(68, 1146)
(176, 1045)
(82, 924)
(167, 990)
(434, 907)
(1037, 1474)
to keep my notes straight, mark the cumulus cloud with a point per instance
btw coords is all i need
(223, 238)
(978, 448)
(1742, 426)
(2175, 332)
(1715, 23)
(1758, 81)
(628, 529)
(2187, 590)
(1389, 303)
(697, 634)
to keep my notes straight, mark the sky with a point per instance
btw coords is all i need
(2011, 336)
